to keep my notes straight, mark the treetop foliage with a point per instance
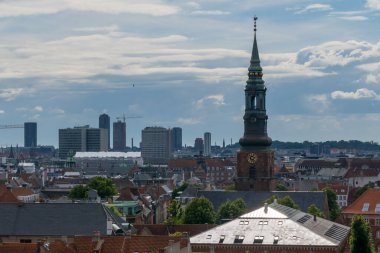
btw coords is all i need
(361, 236)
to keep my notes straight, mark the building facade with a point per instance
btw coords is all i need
(155, 145)
(255, 160)
(104, 122)
(198, 145)
(72, 140)
(119, 135)
(30, 134)
(176, 138)
(207, 144)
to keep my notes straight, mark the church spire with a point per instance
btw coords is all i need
(255, 117)
(255, 58)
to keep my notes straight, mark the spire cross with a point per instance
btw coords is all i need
(254, 24)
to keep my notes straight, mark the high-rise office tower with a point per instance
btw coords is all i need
(207, 144)
(72, 140)
(104, 122)
(176, 137)
(155, 145)
(198, 145)
(30, 134)
(255, 160)
(119, 136)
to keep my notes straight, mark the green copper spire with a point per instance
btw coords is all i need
(255, 58)
(255, 117)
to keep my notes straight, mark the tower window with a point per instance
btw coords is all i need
(252, 172)
(253, 102)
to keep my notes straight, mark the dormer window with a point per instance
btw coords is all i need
(239, 239)
(365, 207)
(258, 239)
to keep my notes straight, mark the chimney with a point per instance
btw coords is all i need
(315, 217)
(265, 207)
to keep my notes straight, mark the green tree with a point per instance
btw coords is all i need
(334, 208)
(199, 211)
(281, 188)
(175, 212)
(79, 192)
(314, 210)
(104, 186)
(231, 209)
(285, 201)
(361, 237)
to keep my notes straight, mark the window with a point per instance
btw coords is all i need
(222, 237)
(366, 220)
(239, 239)
(279, 222)
(25, 240)
(377, 234)
(275, 239)
(365, 207)
(208, 236)
(252, 172)
(377, 208)
(263, 222)
(377, 222)
(244, 222)
(258, 239)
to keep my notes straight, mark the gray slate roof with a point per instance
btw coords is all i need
(275, 225)
(52, 219)
(256, 199)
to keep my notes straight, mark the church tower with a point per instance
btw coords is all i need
(255, 160)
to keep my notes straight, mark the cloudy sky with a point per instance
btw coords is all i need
(184, 63)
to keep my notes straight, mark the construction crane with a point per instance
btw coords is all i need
(11, 126)
(123, 118)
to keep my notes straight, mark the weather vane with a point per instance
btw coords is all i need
(254, 25)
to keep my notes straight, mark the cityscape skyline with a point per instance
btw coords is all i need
(126, 60)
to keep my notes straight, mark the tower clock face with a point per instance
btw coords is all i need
(251, 158)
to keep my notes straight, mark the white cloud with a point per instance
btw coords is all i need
(111, 28)
(38, 108)
(315, 7)
(210, 12)
(57, 111)
(11, 93)
(2, 111)
(318, 103)
(217, 100)
(362, 93)
(354, 18)
(188, 121)
(10, 8)
(373, 4)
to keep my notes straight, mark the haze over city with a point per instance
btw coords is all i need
(63, 63)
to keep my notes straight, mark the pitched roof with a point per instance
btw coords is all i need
(52, 219)
(276, 224)
(21, 191)
(18, 247)
(150, 243)
(6, 196)
(366, 203)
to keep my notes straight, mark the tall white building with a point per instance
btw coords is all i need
(207, 144)
(155, 145)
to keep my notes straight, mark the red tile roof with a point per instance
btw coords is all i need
(18, 247)
(149, 243)
(6, 195)
(21, 191)
(370, 197)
